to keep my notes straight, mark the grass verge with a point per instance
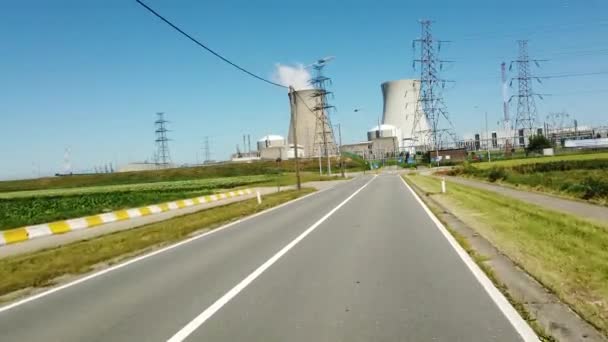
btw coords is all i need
(568, 255)
(41, 268)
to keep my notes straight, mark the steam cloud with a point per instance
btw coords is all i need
(292, 75)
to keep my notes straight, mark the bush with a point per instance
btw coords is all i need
(497, 173)
(537, 143)
(594, 188)
(562, 165)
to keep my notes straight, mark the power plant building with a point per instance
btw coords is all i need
(271, 140)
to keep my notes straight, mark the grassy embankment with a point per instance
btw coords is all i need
(566, 254)
(582, 177)
(39, 269)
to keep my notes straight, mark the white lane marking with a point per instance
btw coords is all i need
(151, 254)
(183, 333)
(499, 299)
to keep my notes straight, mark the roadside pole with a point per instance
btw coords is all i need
(340, 150)
(488, 139)
(292, 98)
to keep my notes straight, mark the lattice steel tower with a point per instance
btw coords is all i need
(324, 141)
(163, 157)
(430, 103)
(527, 115)
(207, 150)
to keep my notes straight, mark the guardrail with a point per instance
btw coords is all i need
(65, 226)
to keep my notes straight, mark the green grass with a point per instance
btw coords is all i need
(186, 185)
(514, 162)
(567, 254)
(177, 174)
(40, 269)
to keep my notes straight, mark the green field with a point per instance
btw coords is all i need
(21, 208)
(169, 175)
(582, 177)
(565, 253)
(532, 160)
(40, 206)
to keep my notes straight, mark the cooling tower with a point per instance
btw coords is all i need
(307, 125)
(400, 101)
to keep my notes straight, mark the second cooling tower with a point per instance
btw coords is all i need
(400, 102)
(307, 125)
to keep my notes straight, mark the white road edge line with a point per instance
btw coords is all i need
(151, 254)
(189, 328)
(499, 299)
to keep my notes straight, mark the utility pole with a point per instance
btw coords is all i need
(505, 109)
(340, 150)
(292, 98)
(487, 137)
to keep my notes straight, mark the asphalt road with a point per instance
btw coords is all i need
(330, 267)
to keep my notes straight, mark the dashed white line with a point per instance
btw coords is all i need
(189, 328)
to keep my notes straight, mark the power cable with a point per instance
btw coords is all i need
(207, 48)
(575, 74)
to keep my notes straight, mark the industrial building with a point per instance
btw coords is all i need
(377, 148)
(272, 147)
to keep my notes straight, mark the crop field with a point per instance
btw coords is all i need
(171, 175)
(579, 176)
(40, 206)
(198, 184)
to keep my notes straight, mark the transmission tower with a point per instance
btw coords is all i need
(206, 150)
(527, 115)
(67, 164)
(431, 106)
(324, 141)
(163, 157)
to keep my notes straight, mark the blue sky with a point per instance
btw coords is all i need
(92, 74)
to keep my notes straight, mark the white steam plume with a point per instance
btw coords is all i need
(296, 76)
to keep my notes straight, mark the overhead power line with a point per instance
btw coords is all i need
(575, 74)
(207, 48)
